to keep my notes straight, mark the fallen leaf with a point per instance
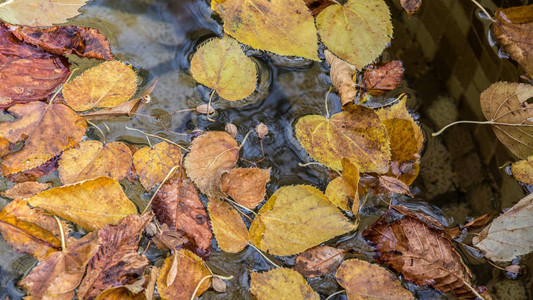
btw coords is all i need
(205, 109)
(92, 204)
(411, 6)
(178, 284)
(381, 78)
(350, 176)
(356, 133)
(39, 12)
(46, 130)
(142, 289)
(35, 173)
(393, 185)
(117, 262)
(296, 218)
(221, 64)
(26, 189)
(316, 6)
(318, 261)
(230, 231)
(128, 108)
(93, 159)
(212, 155)
(506, 103)
(218, 284)
(337, 194)
(523, 170)
(363, 280)
(341, 74)
(247, 186)
(109, 84)
(399, 111)
(281, 283)
(356, 31)
(169, 238)
(285, 27)
(153, 163)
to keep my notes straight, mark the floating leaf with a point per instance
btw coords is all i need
(169, 238)
(296, 218)
(106, 85)
(357, 31)
(381, 78)
(153, 164)
(523, 170)
(26, 189)
(284, 27)
(92, 204)
(281, 283)
(318, 261)
(350, 176)
(363, 280)
(411, 6)
(337, 193)
(39, 12)
(230, 231)
(341, 74)
(506, 103)
(356, 133)
(247, 186)
(221, 64)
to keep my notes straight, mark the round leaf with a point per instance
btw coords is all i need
(247, 186)
(281, 283)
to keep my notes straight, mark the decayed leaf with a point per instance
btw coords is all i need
(229, 229)
(316, 6)
(523, 170)
(284, 27)
(106, 85)
(357, 31)
(356, 134)
(142, 289)
(117, 262)
(341, 74)
(92, 204)
(505, 102)
(180, 275)
(512, 30)
(93, 159)
(411, 6)
(41, 12)
(281, 283)
(212, 155)
(246, 185)
(26, 189)
(57, 277)
(153, 164)
(221, 64)
(363, 280)
(296, 218)
(318, 261)
(169, 238)
(381, 78)
(46, 130)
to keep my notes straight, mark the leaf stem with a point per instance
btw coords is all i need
(336, 293)
(63, 246)
(159, 137)
(460, 122)
(239, 205)
(170, 173)
(245, 138)
(484, 11)
(98, 128)
(326, 103)
(198, 286)
(264, 255)
(209, 106)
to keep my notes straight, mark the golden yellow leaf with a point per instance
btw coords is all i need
(338, 195)
(39, 12)
(350, 176)
(106, 85)
(523, 170)
(281, 283)
(221, 64)
(92, 159)
(153, 164)
(296, 218)
(26, 189)
(284, 27)
(399, 111)
(247, 186)
(356, 133)
(92, 204)
(229, 229)
(357, 31)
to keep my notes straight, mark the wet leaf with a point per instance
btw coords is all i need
(316, 6)
(212, 155)
(393, 185)
(230, 231)
(179, 283)
(281, 283)
(356, 31)
(296, 218)
(411, 6)
(350, 176)
(341, 74)
(381, 78)
(43, 12)
(231, 129)
(46, 130)
(128, 108)
(169, 238)
(505, 102)
(363, 280)
(106, 85)
(318, 261)
(284, 27)
(142, 289)
(26, 189)
(523, 170)
(221, 64)
(356, 133)
(153, 164)
(92, 204)
(337, 193)
(117, 262)
(247, 186)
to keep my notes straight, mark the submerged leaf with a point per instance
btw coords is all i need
(153, 163)
(247, 186)
(318, 261)
(281, 283)
(230, 231)
(523, 170)
(40, 12)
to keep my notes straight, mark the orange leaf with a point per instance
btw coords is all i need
(230, 231)
(247, 186)
(381, 78)
(26, 189)
(153, 164)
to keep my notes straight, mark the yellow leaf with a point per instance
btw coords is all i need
(92, 204)
(523, 170)
(338, 195)
(39, 12)
(106, 85)
(343, 190)
(92, 159)
(357, 31)
(221, 64)
(153, 164)
(296, 218)
(229, 229)
(399, 111)
(281, 283)
(284, 27)
(356, 133)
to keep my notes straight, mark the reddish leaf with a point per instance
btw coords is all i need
(411, 6)
(382, 185)
(318, 261)
(170, 239)
(381, 78)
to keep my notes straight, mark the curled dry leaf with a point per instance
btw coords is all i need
(231, 129)
(316, 6)
(363, 280)
(92, 204)
(296, 218)
(43, 12)
(411, 6)
(153, 164)
(318, 261)
(26, 189)
(341, 74)
(283, 27)
(381, 78)
(281, 283)
(523, 170)
(247, 186)
(212, 155)
(261, 130)
(230, 231)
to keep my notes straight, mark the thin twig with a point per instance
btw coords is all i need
(209, 107)
(98, 128)
(264, 255)
(198, 286)
(336, 293)
(241, 206)
(159, 137)
(484, 11)
(479, 122)
(63, 247)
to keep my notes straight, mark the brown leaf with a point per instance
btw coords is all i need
(318, 261)
(316, 6)
(381, 78)
(394, 185)
(341, 74)
(523, 170)
(169, 238)
(261, 130)
(247, 186)
(230, 231)
(142, 289)
(128, 108)
(411, 6)
(26, 189)
(117, 262)
(231, 129)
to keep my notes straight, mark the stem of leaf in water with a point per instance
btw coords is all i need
(62, 233)
(336, 293)
(264, 255)
(484, 10)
